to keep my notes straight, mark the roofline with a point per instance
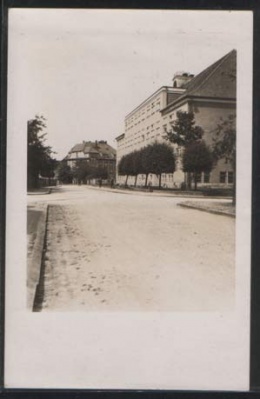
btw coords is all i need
(90, 144)
(219, 62)
(121, 136)
(188, 98)
(188, 94)
(162, 88)
(85, 159)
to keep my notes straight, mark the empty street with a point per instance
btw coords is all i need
(110, 251)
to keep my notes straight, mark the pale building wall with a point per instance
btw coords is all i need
(144, 126)
(208, 116)
(168, 119)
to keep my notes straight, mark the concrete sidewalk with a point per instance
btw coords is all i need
(40, 191)
(37, 219)
(158, 193)
(217, 208)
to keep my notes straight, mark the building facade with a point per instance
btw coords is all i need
(211, 96)
(98, 154)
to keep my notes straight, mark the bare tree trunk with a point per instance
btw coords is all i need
(126, 180)
(195, 181)
(146, 178)
(136, 180)
(189, 181)
(160, 181)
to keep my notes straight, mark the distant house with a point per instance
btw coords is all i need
(98, 154)
(210, 95)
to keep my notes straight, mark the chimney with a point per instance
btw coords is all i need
(181, 78)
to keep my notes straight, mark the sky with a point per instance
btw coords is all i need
(85, 70)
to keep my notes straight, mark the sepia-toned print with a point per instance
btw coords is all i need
(131, 167)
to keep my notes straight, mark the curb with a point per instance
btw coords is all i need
(207, 210)
(154, 193)
(40, 193)
(39, 291)
(34, 262)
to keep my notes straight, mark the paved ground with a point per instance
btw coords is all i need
(221, 207)
(110, 251)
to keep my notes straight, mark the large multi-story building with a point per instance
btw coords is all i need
(211, 96)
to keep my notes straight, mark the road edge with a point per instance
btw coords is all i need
(207, 210)
(34, 265)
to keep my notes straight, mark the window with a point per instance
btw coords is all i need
(222, 177)
(206, 177)
(230, 177)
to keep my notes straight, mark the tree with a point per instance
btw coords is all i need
(122, 168)
(39, 156)
(64, 172)
(136, 164)
(80, 170)
(197, 158)
(160, 159)
(184, 131)
(224, 144)
(155, 158)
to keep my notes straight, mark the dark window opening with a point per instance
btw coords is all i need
(222, 177)
(230, 177)
(206, 177)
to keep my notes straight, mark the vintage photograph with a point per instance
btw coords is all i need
(131, 171)
(129, 139)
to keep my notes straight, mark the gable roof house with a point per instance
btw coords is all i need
(98, 154)
(211, 96)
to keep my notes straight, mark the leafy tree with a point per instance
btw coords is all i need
(197, 158)
(122, 167)
(100, 173)
(126, 166)
(184, 131)
(145, 164)
(39, 155)
(136, 164)
(224, 145)
(155, 158)
(64, 172)
(159, 159)
(80, 170)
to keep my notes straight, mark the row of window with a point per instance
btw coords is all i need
(226, 177)
(206, 177)
(143, 111)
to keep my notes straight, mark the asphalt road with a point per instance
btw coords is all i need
(135, 252)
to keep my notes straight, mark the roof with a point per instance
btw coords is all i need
(216, 81)
(120, 137)
(78, 147)
(97, 147)
(163, 88)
